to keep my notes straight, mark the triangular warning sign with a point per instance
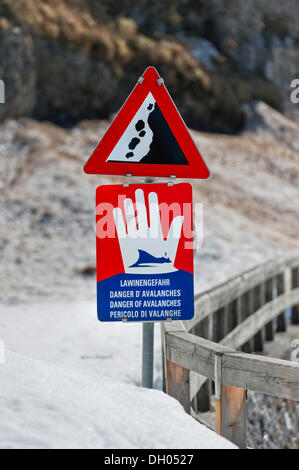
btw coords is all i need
(148, 137)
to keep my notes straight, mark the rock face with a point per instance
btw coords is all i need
(64, 60)
(262, 38)
(18, 71)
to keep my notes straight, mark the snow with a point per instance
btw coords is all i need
(71, 382)
(69, 334)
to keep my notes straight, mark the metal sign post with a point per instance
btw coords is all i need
(147, 371)
(147, 354)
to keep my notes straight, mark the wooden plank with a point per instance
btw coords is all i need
(219, 326)
(218, 375)
(193, 353)
(258, 301)
(250, 313)
(281, 319)
(200, 387)
(263, 301)
(210, 327)
(239, 310)
(230, 416)
(168, 326)
(269, 329)
(295, 308)
(247, 310)
(244, 314)
(226, 319)
(232, 316)
(262, 374)
(178, 384)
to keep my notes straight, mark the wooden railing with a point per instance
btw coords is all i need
(202, 353)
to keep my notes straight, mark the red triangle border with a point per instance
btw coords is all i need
(149, 82)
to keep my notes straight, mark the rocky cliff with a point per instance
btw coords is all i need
(64, 60)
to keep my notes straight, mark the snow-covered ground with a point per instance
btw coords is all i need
(76, 394)
(69, 335)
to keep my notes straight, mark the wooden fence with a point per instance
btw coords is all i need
(214, 349)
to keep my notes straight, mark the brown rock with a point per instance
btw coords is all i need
(126, 27)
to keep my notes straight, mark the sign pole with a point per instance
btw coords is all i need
(147, 354)
(148, 344)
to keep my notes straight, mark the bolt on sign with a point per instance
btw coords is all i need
(144, 252)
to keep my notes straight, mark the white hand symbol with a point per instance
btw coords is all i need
(143, 249)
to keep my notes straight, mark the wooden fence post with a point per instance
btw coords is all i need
(178, 384)
(295, 308)
(281, 319)
(232, 315)
(239, 310)
(247, 310)
(259, 300)
(201, 402)
(231, 415)
(220, 324)
(269, 331)
(230, 409)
